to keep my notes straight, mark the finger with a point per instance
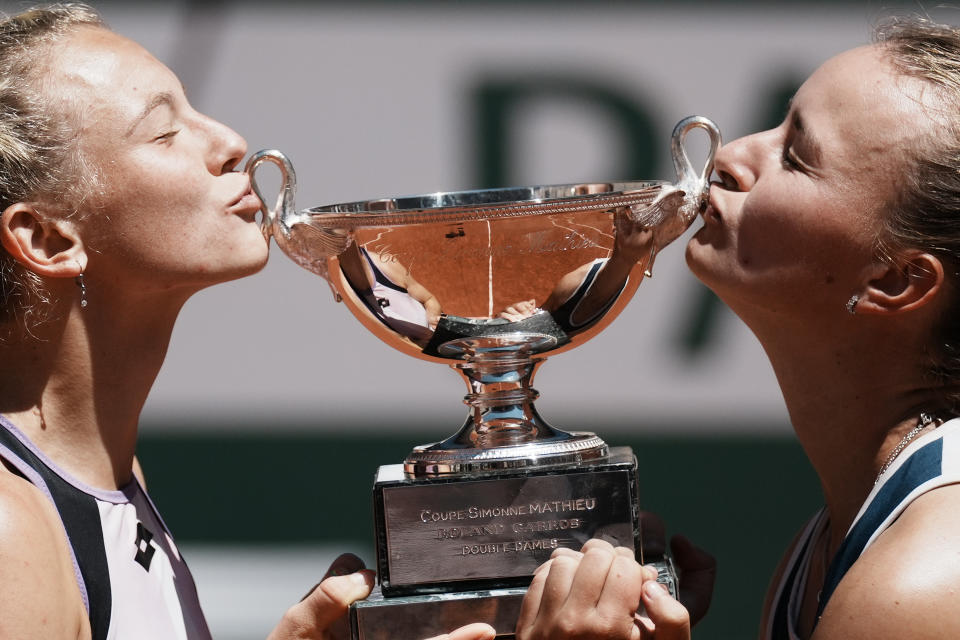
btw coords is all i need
(556, 587)
(564, 551)
(530, 607)
(475, 631)
(331, 599)
(669, 617)
(344, 564)
(626, 552)
(645, 624)
(653, 536)
(596, 543)
(588, 583)
(698, 572)
(620, 597)
(650, 572)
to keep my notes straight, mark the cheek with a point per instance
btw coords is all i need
(767, 237)
(815, 240)
(156, 202)
(144, 215)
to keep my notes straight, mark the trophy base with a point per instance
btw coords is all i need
(492, 530)
(424, 616)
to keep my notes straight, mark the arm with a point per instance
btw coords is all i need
(429, 301)
(907, 584)
(39, 597)
(632, 245)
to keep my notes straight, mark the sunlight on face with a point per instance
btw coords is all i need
(173, 214)
(797, 217)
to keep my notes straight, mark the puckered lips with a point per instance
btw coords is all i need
(246, 204)
(712, 214)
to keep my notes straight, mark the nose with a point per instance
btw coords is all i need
(738, 163)
(227, 147)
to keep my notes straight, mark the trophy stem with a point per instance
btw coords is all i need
(501, 401)
(503, 429)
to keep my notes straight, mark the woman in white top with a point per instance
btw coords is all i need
(118, 201)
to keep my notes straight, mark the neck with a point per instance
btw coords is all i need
(77, 389)
(852, 393)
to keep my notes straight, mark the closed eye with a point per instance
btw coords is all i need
(166, 136)
(789, 161)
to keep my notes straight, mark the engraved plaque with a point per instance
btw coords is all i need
(498, 530)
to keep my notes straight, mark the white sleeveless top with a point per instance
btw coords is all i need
(132, 578)
(931, 461)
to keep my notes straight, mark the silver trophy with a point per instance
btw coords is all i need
(491, 282)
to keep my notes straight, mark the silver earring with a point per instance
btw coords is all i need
(83, 290)
(852, 304)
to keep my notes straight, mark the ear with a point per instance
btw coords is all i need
(906, 285)
(49, 248)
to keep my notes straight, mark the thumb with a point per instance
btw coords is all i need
(343, 564)
(669, 617)
(332, 597)
(475, 631)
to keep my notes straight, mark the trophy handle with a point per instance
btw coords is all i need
(695, 184)
(274, 220)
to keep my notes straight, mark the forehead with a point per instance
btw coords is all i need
(105, 74)
(861, 110)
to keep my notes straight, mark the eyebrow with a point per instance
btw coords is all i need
(158, 99)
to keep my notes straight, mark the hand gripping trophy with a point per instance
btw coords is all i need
(491, 282)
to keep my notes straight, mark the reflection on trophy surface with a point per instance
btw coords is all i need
(491, 282)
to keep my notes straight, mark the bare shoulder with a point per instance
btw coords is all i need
(39, 596)
(907, 584)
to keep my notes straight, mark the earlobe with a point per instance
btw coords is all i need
(902, 286)
(48, 248)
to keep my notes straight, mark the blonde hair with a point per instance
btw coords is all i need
(39, 158)
(926, 214)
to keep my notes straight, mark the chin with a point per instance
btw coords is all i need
(253, 266)
(697, 258)
(240, 266)
(709, 268)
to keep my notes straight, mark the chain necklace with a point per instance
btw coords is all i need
(925, 420)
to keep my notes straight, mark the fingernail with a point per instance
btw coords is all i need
(358, 578)
(654, 590)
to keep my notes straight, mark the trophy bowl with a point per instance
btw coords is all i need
(492, 282)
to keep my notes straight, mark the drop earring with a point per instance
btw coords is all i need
(852, 304)
(83, 290)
